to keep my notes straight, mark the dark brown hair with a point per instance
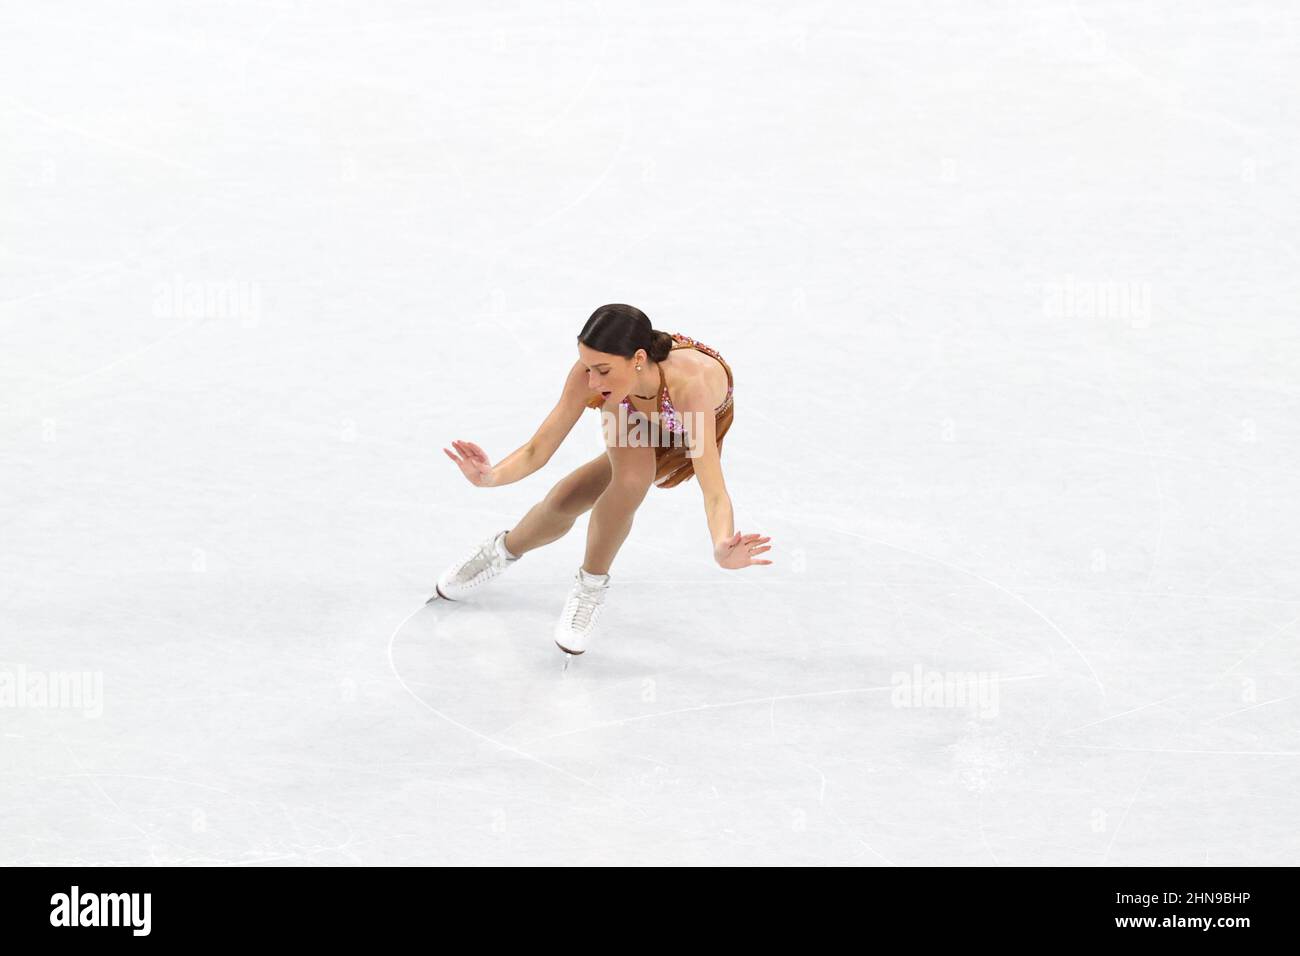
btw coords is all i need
(621, 330)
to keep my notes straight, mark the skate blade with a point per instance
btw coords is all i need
(437, 596)
(568, 656)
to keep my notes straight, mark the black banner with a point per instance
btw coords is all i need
(1175, 906)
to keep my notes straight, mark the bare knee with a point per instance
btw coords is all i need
(576, 494)
(565, 500)
(632, 483)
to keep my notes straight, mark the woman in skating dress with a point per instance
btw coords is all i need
(666, 404)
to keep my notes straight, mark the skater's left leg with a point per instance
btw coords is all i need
(633, 472)
(553, 516)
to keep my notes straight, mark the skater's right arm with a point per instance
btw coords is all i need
(537, 451)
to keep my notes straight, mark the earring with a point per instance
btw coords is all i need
(638, 368)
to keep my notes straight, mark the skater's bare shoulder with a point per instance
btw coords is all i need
(557, 425)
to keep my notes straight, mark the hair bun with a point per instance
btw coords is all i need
(661, 343)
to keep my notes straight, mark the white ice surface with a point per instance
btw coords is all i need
(871, 211)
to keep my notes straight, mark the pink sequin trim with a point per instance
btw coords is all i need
(667, 413)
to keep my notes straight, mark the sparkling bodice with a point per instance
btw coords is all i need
(668, 415)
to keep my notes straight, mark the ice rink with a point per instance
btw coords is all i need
(1010, 293)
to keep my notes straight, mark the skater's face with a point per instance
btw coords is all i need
(611, 375)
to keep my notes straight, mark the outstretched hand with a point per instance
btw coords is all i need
(472, 462)
(739, 550)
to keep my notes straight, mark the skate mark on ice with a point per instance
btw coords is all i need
(392, 664)
(1203, 685)
(991, 583)
(771, 701)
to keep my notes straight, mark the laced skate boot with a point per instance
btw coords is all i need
(486, 561)
(577, 622)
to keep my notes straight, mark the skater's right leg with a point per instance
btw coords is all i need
(553, 516)
(632, 473)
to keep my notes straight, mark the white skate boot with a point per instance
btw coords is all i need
(487, 561)
(577, 622)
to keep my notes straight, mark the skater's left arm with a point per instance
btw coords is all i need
(730, 550)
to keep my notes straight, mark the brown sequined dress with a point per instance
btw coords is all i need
(672, 464)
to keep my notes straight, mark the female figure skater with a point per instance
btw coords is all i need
(677, 384)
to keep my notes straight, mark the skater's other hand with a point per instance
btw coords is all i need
(472, 462)
(740, 550)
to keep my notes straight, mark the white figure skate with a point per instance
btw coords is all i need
(486, 561)
(577, 622)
